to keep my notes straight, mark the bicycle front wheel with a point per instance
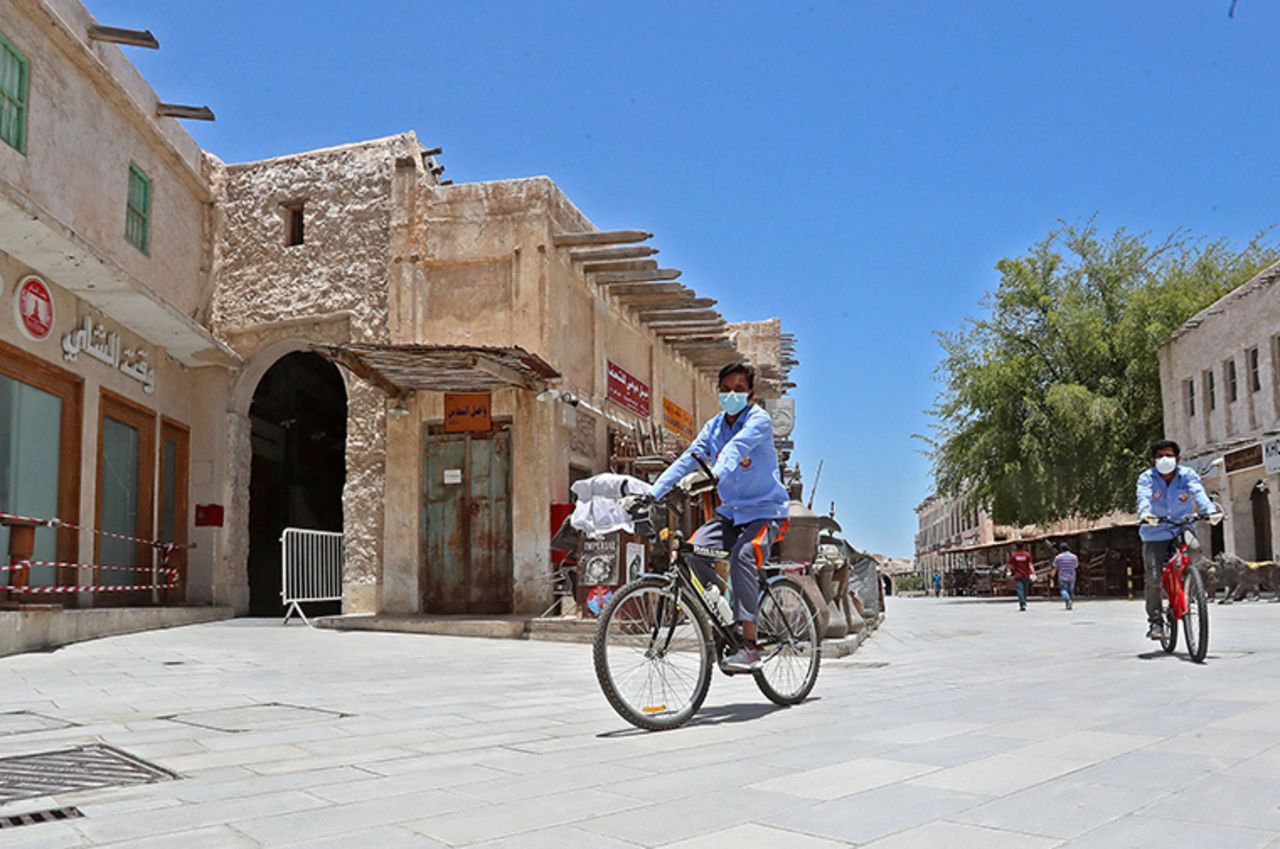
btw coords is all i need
(787, 633)
(1169, 641)
(653, 655)
(1196, 621)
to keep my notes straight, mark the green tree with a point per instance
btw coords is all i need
(1050, 402)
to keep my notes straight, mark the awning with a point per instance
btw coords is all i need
(987, 546)
(397, 369)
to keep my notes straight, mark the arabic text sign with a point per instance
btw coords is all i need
(677, 419)
(628, 391)
(33, 308)
(93, 340)
(468, 412)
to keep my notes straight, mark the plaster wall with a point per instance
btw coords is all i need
(90, 114)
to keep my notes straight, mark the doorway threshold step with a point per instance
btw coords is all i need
(493, 627)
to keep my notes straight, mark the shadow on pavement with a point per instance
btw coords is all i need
(717, 715)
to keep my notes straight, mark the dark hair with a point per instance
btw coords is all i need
(1166, 443)
(1062, 546)
(1020, 545)
(738, 368)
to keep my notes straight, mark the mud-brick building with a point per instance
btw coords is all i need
(336, 340)
(498, 301)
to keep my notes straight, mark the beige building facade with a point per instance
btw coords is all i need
(204, 352)
(1220, 384)
(948, 522)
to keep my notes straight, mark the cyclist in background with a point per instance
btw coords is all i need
(1167, 490)
(738, 445)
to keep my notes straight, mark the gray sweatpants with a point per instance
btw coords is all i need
(748, 546)
(1154, 556)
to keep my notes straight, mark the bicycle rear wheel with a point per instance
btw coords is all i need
(1196, 622)
(652, 653)
(1169, 641)
(787, 633)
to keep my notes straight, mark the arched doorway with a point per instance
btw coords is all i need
(1260, 500)
(299, 426)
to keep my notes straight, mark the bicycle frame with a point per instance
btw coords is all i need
(680, 574)
(1175, 570)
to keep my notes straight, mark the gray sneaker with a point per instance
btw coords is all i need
(743, 660)
(1156, 631)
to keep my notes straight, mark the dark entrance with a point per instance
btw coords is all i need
(299, 417)
(1260, 500)
(467, 521)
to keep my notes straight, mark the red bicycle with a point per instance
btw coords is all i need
(1184, 597)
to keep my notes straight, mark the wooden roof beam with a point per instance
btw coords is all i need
(602, 254)
(677, 304)
(648, 289)
(677, 315)
(600, 237)
(120, 35)
(620, 265)
(614, 278)
(177, 110)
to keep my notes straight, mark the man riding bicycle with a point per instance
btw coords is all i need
(753, 503)
(1167, 491)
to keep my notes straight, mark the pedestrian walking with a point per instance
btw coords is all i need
(937, 584)
(1066, 564)
(1022, 569)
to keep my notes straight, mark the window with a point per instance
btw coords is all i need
(13, 95)
(137, 215)
(1255, 379)
(1189, 391)
(126, 487)
(1233, 391)
(294, 232)
(1209, 392)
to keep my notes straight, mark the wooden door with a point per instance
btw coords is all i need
(172, 514)
(467, 522)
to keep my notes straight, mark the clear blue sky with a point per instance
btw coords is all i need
(856, 168)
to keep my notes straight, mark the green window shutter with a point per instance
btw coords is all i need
(14, 73)
(137, 215)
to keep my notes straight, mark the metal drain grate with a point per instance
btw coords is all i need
(82, 768)
(37, 817)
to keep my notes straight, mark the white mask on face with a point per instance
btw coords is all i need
(1165, 465)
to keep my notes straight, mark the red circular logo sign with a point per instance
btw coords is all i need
(33, 308)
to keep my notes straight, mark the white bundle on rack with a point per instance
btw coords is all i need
(599, 510)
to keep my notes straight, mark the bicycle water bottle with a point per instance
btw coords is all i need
(719, 605)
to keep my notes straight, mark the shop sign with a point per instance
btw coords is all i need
(598, 561)
(1245, 458)
(628, 391)
(1208, 466)
(677, 419)
(33, 308)
(93, 340)
(468, 412)
(1271, 455)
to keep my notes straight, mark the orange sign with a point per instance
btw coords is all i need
(468, 412)
(677, 419)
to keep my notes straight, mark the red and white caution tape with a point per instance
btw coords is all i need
(58, 523)
(88, 589)
(24, 564)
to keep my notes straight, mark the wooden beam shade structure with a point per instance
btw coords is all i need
(600, 237)
(119, 35)
(676, 314)
(613, 278)
(627, 290)
(620, 265)
(603, 254)
(677, 304)
(177, 110)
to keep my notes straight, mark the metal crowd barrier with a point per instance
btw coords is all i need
(311, 569)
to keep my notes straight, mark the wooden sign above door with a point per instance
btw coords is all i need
(468, 412)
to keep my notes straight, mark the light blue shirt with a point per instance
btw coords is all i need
(743, 458)
(1178, 499)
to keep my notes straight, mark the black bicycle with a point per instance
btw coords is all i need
(658, 638)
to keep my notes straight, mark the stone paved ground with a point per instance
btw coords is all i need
(960, 724)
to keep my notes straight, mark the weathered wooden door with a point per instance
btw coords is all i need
(467, 522)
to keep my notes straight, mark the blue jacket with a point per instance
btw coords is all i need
(745, 463)
(1177, 499)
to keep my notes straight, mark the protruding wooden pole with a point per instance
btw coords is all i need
(637, 276)
(602, 254)
(600, 237)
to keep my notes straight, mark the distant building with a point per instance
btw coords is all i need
(948, 522)
(1220, 383)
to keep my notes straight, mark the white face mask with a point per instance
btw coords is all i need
(1165, 465)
